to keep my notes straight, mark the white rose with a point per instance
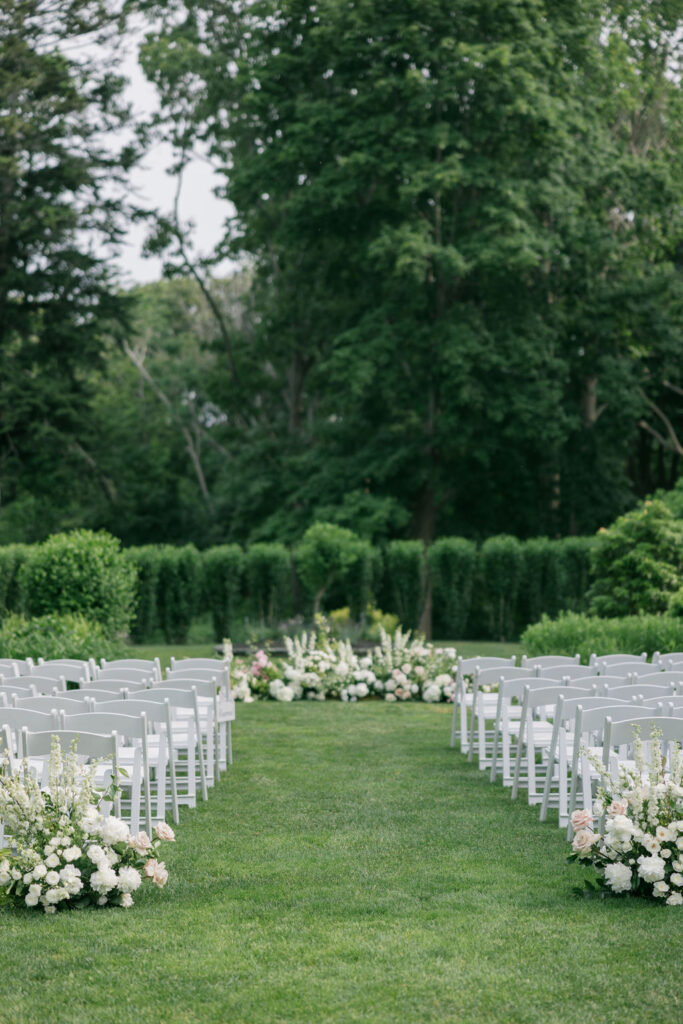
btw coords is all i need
(103, 879)
(28, 878)
(618, 877)
(52, 878)
(651, 844)
(53, 895)
(285, 693)
(126, 900)
(660, 888)
(676, 879)
(675, 899)
(73, 853)
(16, 874)
(96, 854)
(664, 834)
(52, 861)
(39, 871)
(31, 900)
(391, 697)
(651, 869)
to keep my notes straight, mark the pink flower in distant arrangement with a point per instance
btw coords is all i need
(156, 870)
(140, 843)
(165, 832)
(581, 819)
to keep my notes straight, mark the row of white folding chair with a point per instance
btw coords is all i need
(16, 666)
(615, 659)
(207, 701)
(569, 708)
(37, 746)
(662, 659)
(73, 669)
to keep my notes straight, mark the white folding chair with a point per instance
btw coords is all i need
(131, 754)
(466, 667)
(507, 723)
(43, 684)
(568, 671)
(158, 717)
(549, 660)
(616, 659)
(18, 718)
(484, 706)
(535, 733)
(589, 727)
(562, 745)
(207, 702)
(219, 673)
(73, 669)
(622, 735)
(114, 685)
(73, 703)
(89, 746)
(123, 676)
(151, 667)
(659, 678)
(8, 667)
(640, 691)
(185, 739)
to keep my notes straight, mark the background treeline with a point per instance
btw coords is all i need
(455, 589)
(463, 303)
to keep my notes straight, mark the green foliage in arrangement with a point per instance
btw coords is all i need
(571, 632)
(332, 556)
(81, 572)
(146, 560)
(56, 636)
(452, 568)
(500, 566)
(637, 563)
(178, 590)
(268, 572)
(406, 579)
(223, 569)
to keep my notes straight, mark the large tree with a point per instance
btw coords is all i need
(59, 209)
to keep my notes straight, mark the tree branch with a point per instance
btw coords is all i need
(673, 440)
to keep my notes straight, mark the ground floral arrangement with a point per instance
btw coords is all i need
(64, 852)
(318, 666)
(640, 849)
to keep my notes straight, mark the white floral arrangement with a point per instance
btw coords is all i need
(640, 850)
(64, 852)
(317, 667)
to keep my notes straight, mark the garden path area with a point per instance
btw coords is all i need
(351, 867)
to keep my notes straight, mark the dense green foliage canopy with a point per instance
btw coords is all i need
(462, 313)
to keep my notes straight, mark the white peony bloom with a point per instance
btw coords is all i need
(53, 895)
(103, 879)
(96, 854)
(126, 900)
(72, 853)
(651, 869)
(285, 693)
(129, 880)
(113, 830)
(618, 877)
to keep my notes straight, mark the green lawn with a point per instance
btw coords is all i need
(351, 867)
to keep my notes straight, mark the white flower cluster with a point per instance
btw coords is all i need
(64, 849)
(640, 850)
(317, 666)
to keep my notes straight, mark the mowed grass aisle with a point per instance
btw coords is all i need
(351, 867)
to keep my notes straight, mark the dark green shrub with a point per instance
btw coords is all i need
(587, 634)
(330, 555)
(268, 571)
(55, 636)
(406, 569)
(81, 572)
(500, 564)
(223, 575)
(178, 590)
(637, 563)
(145, 621)
(575, 565)
(452, 564)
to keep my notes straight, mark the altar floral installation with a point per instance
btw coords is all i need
(639, 848)
(65, 852)
(318, 666)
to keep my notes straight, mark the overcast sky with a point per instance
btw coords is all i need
(155, 188)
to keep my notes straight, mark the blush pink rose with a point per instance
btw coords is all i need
(618, 807)
(165, 832)
(140, 843)
(581, 819)
(156, 870)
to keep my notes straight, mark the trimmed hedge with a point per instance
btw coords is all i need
(406, 569)
(500, 564)
(268, 573)
(81, 572)
(452, 569)
(223, 568)
(570, 633)
(178, 591)
(12, 557)
(146, 561)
